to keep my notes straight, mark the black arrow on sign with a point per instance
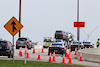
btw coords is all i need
(13, 25)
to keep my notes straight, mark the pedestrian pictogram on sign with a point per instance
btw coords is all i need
(13, 26)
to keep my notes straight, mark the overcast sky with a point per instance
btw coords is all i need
(41, 18)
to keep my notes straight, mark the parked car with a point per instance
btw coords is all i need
(6, 48)
(24, 41)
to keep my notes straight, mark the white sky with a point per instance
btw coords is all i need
(41, 18)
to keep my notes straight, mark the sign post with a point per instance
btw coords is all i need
(13, 49)
(13, 26)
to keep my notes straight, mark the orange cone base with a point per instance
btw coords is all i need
(42, 51)
(50, 59)
(33, 50)
(27, 55)
(80, 58)
(70, 60)
(66, 55)
(20, 53)
(53, 58)
(75, 52)
(38, 57)
(63, 61)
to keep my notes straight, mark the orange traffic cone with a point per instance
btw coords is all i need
(66, 55)
(50, 58)
(75, 50)
(20, 51)
(80, 56)
(70, 60)
(39, 56)
(54, 56)
(27, 56)
(93, 46)
(25, 49)
(42, 50)
(89, 46)
(80, 48)
(63, 60)
(85, 47)
(33, 50)
(70, 51)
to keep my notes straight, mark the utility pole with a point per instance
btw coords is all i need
(20, 16)
(78, 28)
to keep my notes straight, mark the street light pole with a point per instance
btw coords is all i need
(20, 16)
(78, 28)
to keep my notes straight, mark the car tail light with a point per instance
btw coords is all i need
(61, 33)
(7, 47)
(16, 41)
(71, 45)
(90, 45)
(55, 33)
(27, 42)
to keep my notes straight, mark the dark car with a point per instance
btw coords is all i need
(59, 34)
(23, 41)
(6, 48)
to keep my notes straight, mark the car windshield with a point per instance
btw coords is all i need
(87, 42)
(22, 39)
(2, 43)
(76, 42)
(57, 44)
(58, 31)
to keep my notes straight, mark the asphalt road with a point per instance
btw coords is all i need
(45, 57)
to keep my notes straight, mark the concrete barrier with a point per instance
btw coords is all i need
(90, 54)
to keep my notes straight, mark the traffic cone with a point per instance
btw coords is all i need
(70, 51)
(42, 50)
(39, 56)
(85, 47)
(50, 58)
(27, 56)
(54, 56)
(25, 49)
(80, 56)
(93, 46)
(33, 50)
(70, 61)
(89, 46)
(80, 48)
(63, 60)
(66, 55)
(20, 51)
(75, 50)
